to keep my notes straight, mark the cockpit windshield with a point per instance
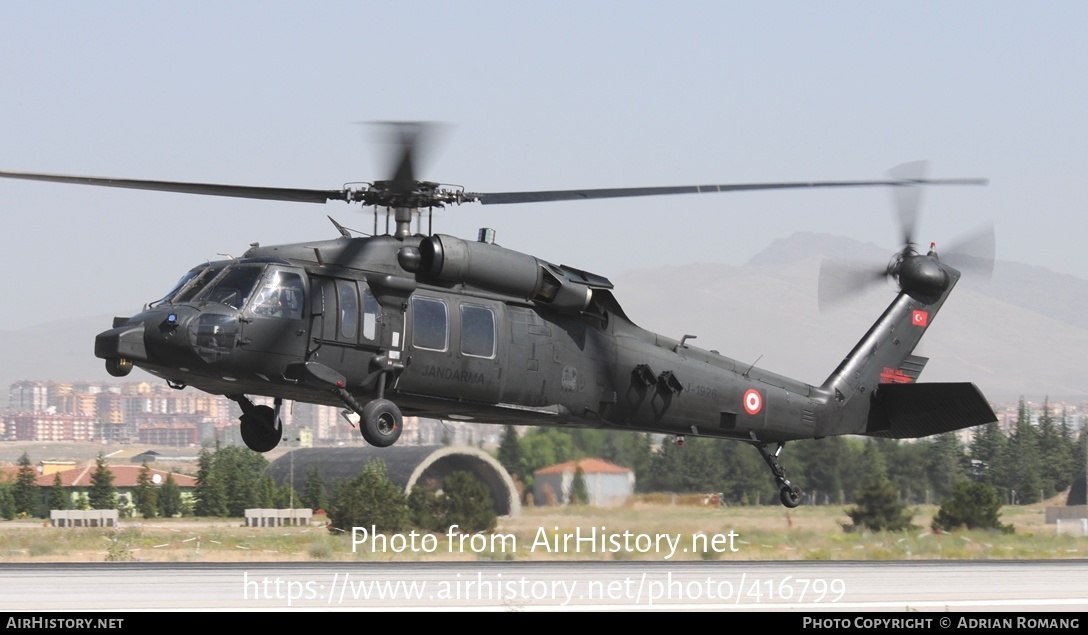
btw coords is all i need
(190, 285)
(231, 288)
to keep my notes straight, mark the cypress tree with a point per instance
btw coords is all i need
(102, 495)
(146, 497)
(25, 489)
(510, 451)
(579, 494)
(211, 499)
(58, 494)
(169, 498)
(1022, 459)
(1055, 454)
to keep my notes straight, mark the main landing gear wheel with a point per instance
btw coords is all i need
(791, 496)
(789, 493)
(381, 423)
(259, 430)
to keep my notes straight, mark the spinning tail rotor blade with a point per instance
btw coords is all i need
(974, 253)
(840, 280)
(908, 197)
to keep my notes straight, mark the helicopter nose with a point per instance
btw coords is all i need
(121, 346)
(154, 336)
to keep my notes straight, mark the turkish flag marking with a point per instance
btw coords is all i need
(921, 318)
(753, 401)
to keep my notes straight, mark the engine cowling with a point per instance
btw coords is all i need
(494, 268)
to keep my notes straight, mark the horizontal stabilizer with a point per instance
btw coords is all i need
(910, 411)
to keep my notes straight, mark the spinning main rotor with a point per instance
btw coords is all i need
(405, 194)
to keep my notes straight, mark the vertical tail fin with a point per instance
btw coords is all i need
(873, 390)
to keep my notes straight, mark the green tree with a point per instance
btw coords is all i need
(58, 494)
(170, 498)
(25, 489)
(1055, 452)
(425, 507)
(287, 497)
(7, 502)
(463, 501)
(467, 503)
(945, 463)
(145, 494)
(240, 470)
(987, 451)
(267, 493)
(821, 472)
(878, 507)
(211, 498)
(579, 493)
(1021, 461)
(972, 505)
(369, 500)
(102, 495)
(629, 449)
(313, 489)
(543, 447)
(510, 451)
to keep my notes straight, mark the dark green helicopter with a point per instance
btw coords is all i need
(436, 326)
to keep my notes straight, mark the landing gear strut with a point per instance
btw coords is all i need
(380, 420)
(261, 425)
(788, 492)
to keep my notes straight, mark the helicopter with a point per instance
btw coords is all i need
(433, 325)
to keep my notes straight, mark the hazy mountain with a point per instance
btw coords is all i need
(1024, 333)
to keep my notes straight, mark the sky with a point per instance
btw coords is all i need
(553, 95)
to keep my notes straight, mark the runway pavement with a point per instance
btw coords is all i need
(955, 586)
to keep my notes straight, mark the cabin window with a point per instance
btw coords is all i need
(477, 331)
(349, 308)
(370, 315)
(280, 296)
(430, 324)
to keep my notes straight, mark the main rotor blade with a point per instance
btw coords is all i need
(210, 189)
(503, 198)
(405, 135)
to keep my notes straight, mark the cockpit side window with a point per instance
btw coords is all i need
(281, 296)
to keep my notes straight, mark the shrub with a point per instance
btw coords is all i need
(369, 500)
(972, 505)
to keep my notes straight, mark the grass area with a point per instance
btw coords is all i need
(659, 530)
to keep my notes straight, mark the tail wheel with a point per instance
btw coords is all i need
(381, 423)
